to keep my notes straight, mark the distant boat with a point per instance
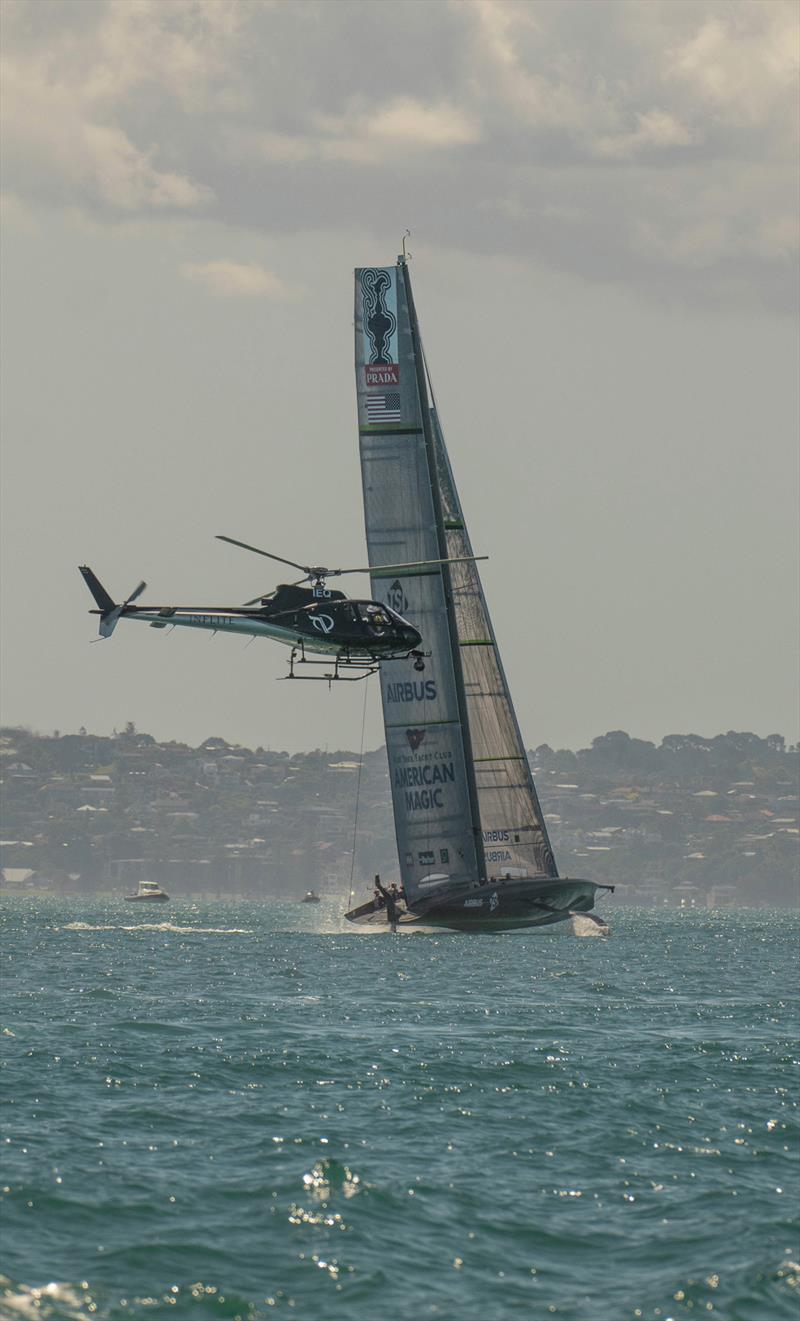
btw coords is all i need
(310, 897)
(472, 842)
(148, 892)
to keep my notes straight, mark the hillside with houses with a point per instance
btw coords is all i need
(690, 822)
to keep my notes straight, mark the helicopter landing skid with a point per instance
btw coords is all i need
(362, 668)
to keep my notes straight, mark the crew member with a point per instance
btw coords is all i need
(392, 913)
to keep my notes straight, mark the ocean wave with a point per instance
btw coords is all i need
(516, 1116)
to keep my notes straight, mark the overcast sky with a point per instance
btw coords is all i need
(603, 205)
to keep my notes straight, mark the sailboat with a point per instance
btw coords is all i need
(473, 848)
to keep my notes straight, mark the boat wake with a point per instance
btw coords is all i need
(404, 929)
(588, 924)
(159, 926)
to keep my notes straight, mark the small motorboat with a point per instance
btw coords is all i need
(310, 897)
(148, 892)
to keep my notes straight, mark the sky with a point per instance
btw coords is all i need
(602, 200)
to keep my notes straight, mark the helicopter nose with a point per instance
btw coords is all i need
(412, 637)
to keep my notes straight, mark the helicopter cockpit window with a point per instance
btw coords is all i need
(375, 618)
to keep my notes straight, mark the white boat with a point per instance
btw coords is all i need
(148, 892)
(310, 897)
(472, 843)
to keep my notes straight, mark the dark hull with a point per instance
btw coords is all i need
(146, 898)
(494, 907)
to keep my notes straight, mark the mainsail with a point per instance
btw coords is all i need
(465, 806)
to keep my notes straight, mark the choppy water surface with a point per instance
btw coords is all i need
(235, 1110)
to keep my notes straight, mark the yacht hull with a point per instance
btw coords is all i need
(495, 906)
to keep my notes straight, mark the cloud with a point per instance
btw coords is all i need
(64, 96)
(409, 122)
(404, 126)
(743, 62)
(654, 130)
(236, 279)
(55, 150)
(653, 145)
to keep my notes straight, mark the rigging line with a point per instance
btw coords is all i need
(358, 797)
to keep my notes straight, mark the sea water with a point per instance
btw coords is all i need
(238, 1110)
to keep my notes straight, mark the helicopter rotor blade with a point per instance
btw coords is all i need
(412, 564)
(268, 553)
(258, 599)
(316, 572)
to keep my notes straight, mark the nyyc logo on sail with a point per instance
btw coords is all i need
(396, 598)
(415, 737)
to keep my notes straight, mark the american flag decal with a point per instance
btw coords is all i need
(383, 407)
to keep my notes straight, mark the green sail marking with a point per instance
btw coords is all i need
(386, 429)
(407, 724)
(402, 573)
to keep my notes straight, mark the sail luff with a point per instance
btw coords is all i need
(430, 448)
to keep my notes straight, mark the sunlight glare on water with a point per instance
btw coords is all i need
(246, 1109)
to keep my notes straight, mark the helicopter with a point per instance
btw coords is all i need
(313, 619)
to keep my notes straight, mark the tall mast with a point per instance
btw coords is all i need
(424, 403)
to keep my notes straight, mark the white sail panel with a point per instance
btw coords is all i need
(434, 820)
(514, 834)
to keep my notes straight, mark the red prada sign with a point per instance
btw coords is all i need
(382, 373)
